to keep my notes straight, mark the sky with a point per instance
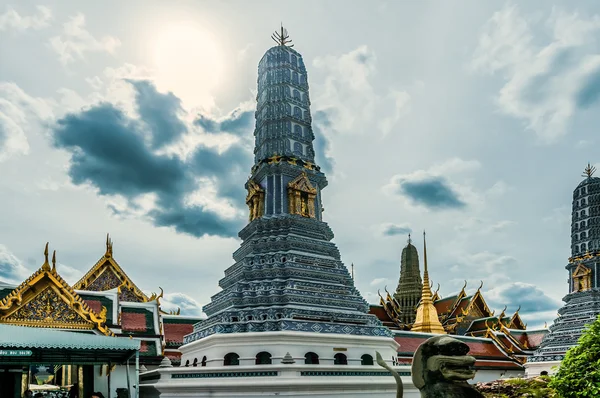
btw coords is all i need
(470, 120)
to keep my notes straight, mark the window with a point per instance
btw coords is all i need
(576, 248)
(295, 77)
(366, 360)
(231, 359)
(203, 362)
(583, 247)
(298, 130)
(297, 112)
(310, 358)
(298, 148)
(340, 359)
(263, 358)
(234, 319)
(294, 59)
(297, 95)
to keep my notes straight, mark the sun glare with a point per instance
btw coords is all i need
(188, 63)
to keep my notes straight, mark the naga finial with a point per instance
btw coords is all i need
(480, 286)
(437, 290)
(589, 171)
(109, 246)
(46, 265)
(465, 285)
(518, 309)
(282, 37)
(54, 261)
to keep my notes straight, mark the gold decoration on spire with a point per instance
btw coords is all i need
(46, 265)
(589, 171)
(109, 247)
(427, 317)
(54, 261)
(282, 38)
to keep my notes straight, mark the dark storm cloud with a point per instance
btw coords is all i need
(321, 144)
(431, 192)
(108, 152)
(239, 122)
(531, 298)
(393, 230)
(160, 112)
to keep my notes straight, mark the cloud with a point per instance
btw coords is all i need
(432, 190)
(349, 98)
(160, 112)
(389, 229)
(199, 194)
(545, 84)
(76, 40)
(18, 113)
(11, 268)
(514, 294)
(322, 145)
(483, 226)
(12, 20)
(188, 306)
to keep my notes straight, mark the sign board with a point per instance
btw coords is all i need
(15, 353)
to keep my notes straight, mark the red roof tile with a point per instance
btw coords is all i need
(498, 364)
(144, 346)
(95, 305)
(174, 332)
(533, 338)
(133, 322)
(409, 344)
(464, 302)
(173, 355)
(444, 305)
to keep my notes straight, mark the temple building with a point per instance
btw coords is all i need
(500, 343)
(410, 286)
(288, 319)
(105, 302)
(582, 303)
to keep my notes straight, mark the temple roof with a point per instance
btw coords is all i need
(46, 300)
(106, 274)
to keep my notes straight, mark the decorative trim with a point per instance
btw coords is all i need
(355, 373)
(223, 374)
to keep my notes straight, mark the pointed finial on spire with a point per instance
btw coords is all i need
(54, 261)
(589, 171)
(282, 37)
(409, 239)
(109, 246)
(46, 265)
(425, 252)
(352, 271)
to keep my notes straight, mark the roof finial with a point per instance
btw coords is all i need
(352, 271)
(281, 38)
(589, 171)
(109, 246)
(409, 239)
(425, 254)
(54, 261)
(46, 265)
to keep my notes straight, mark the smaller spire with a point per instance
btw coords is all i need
(409, 240)
(589, 171)
(282, 37)
(54, 261)
(46, 265)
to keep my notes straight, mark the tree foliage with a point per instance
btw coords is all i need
(579, 372)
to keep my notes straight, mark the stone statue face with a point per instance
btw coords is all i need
(442, 359)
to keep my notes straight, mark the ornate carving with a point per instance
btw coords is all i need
(255, 200)
(582, 278)
(301, 196)
(46, 307)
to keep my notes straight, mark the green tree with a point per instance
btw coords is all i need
(579, 372)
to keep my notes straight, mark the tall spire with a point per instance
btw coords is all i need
(427, 317)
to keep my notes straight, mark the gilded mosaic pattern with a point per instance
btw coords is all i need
(128, 295)
(47, 307)
(106, 281)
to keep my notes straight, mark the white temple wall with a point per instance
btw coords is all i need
(278, 344)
